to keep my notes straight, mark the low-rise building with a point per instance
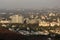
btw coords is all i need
(54, 23)
(43, 23)
(33, 21)
(5, 21)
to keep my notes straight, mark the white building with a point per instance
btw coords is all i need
(17, 18)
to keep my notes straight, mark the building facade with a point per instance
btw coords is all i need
(17, 18)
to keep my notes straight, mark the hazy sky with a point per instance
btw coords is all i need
(29, 3)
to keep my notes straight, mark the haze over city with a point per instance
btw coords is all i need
(12, 4)
(29, 20)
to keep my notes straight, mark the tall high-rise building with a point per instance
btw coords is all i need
(17, 18)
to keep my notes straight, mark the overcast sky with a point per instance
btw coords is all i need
(29, 3)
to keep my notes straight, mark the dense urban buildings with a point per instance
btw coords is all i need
(32, 22)
(50, 19)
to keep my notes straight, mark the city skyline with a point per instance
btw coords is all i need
(12, 4)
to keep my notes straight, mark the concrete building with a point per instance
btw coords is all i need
(54, 23)
(43, 23)
(32, 21)
(52, 14)
(17, 18)
(42, 17)
(32, 16)
(27, 20)
(3, 20)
